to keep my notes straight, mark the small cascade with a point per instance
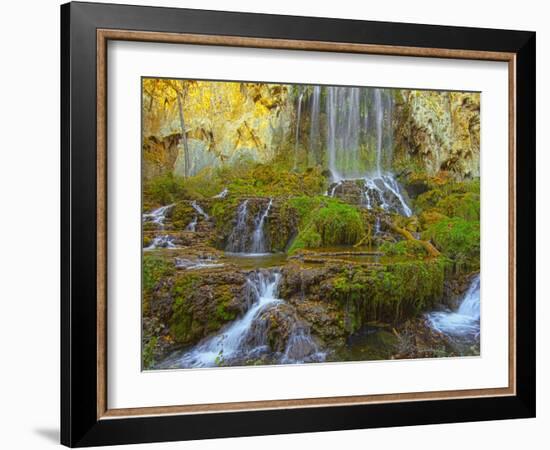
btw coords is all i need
(238, 238)
(158, 215)
(301, 347)
(247, 236)
(163, 241)
(192, 226)
(247, 337)
(385, 192)
(377, 226)
(258, 238)
(230, 343)
(199, 210)
(200, 263)
(463, 323)
(222, 194)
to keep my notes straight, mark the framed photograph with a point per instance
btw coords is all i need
(276, 224)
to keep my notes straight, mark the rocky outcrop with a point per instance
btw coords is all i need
(159, 155)
(438, 131)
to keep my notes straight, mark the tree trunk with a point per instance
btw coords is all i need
(183, 136)
(432, 251)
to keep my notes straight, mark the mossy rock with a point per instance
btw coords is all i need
(203, 303)
(457, 239)
(327, 222)
(182, 214)
(389, 294)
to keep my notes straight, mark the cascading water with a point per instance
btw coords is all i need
(199, 210)
(297, 136)
(314, 122)
(199, 263)
(158, 215)
(463, 323)
(163, 241)
(229, 343)
(192, 226)
(258, 238)
(350, 133)
(238, 238)
(222, 194)
(246, 337)
(244, 239)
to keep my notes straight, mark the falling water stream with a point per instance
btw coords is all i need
(245, 338)
(349, 132)
(244, 239)
(463, 323)
(158, 215)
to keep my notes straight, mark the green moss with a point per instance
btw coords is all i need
(223, 297)
(464, 205)
(450, 198)
(182, 327)
(271, 180)
(326, 222)
(458, 239)
(392, 293)
(154, 269)
(404, 248)
(181, 215)
(308, 238)
(164, 189)
(149, 352)
(193, 317)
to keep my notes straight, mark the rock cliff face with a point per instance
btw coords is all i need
(437, 131)
(224, 122)
(159, 155)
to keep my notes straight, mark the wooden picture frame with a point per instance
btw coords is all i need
(86, 418)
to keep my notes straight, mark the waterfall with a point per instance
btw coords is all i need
(244, 240)
(258, 239)
(239, 235)
(297, 136)
(301, 347)
(222, 194)
(314, 121)
(164, 241)
(231, 342)
(199, 210)
(379, 115)
(331, 132)
(377, 226)
(192, 226)
(199, 263)
(247, 337)
(158, 215)
(465, 321)
(350, 132)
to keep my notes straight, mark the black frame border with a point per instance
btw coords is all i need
(79, 423)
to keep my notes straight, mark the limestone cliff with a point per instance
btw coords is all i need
(438, 131)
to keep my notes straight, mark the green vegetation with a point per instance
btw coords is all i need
(164, 189)
(322, 179)
(458, 239)
(404, 248)
(326, 222)
(390, 293)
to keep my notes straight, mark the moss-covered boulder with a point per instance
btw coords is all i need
(457, 239)
(327, 222)
(203, 302)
